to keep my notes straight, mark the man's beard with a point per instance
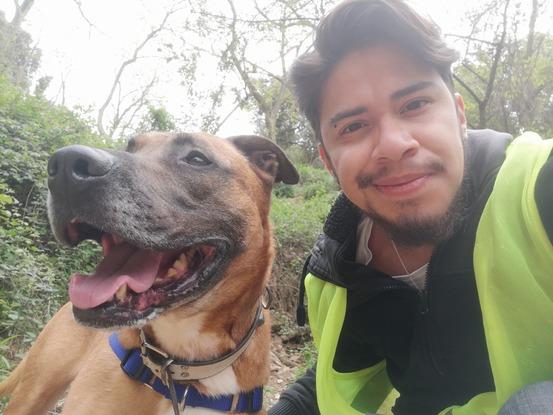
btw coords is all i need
(418, 231)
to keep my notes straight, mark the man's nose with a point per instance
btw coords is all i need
(395, 141)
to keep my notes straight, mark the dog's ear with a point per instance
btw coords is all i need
(268, 156)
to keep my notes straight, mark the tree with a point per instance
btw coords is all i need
(282, 27)
(293, 129)
(483, 57)
(19, 59)
(21, 10)
(506, 78)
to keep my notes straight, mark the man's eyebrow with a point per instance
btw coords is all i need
(348, 113)
(412, 88)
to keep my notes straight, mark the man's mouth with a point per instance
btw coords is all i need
(132, 283)
(399, 186)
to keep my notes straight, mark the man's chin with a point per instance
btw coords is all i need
(412, 229)
(420, 231)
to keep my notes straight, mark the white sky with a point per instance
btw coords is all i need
(88, 58)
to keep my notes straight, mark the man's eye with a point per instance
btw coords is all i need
(351, 128)
(414, 105)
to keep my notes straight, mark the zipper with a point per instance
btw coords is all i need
(425, 311)
(424, 299)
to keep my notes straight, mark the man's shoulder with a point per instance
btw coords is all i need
(338, 233)
(485, 153)
(487, 145)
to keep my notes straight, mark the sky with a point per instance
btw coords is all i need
(85, 58)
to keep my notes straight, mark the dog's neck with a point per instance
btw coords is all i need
(205, 337)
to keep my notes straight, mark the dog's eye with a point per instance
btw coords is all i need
(195, 158)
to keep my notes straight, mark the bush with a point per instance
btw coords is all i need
(297, 222)
(315, 181)
(283, 190)
(33, 267)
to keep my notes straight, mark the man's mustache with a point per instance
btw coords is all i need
(366, 180)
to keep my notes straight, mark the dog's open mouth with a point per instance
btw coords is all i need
(132, 284)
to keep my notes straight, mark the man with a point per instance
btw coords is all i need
(433, 275)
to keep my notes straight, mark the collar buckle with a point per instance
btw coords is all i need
(155, 359)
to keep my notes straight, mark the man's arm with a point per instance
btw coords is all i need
(544, 196)
(298, 399)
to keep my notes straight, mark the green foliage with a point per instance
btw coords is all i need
(281, 190)
(292, 131)
(157, 119)
(316, 182)
(33, 267)
(506, 74)
(521, 96)
(297, 222)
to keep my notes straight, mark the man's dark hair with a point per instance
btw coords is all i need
(358, 24)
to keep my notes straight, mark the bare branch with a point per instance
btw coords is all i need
(497, 55)
(473, 94)
(238, 64)
(91, 25)
(134, 107)
(148, 38)
(472, 71)
(531, 28)
(224, 120)
(471, 38)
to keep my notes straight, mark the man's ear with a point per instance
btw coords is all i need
(267, 156)
(460, 107)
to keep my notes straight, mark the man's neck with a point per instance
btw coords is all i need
(386, 259)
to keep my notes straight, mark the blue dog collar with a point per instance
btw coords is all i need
(132, 364)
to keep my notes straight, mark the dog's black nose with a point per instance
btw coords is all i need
(77, 166)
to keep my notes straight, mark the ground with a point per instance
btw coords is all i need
(289, 360)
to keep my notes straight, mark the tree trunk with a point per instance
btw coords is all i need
(21, 11)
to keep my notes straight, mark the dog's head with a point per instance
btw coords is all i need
(173, 213)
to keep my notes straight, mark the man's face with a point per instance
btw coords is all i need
(392, 135)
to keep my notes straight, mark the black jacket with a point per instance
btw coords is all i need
(433, 342)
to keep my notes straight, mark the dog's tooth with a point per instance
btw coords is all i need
(172, 272)
(184, 259)
(121, 293)
(181, 264)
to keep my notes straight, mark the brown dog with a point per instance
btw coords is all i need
(183, 222)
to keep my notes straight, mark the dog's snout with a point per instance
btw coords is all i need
(77, 165)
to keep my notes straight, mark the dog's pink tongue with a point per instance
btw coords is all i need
(123, 264)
